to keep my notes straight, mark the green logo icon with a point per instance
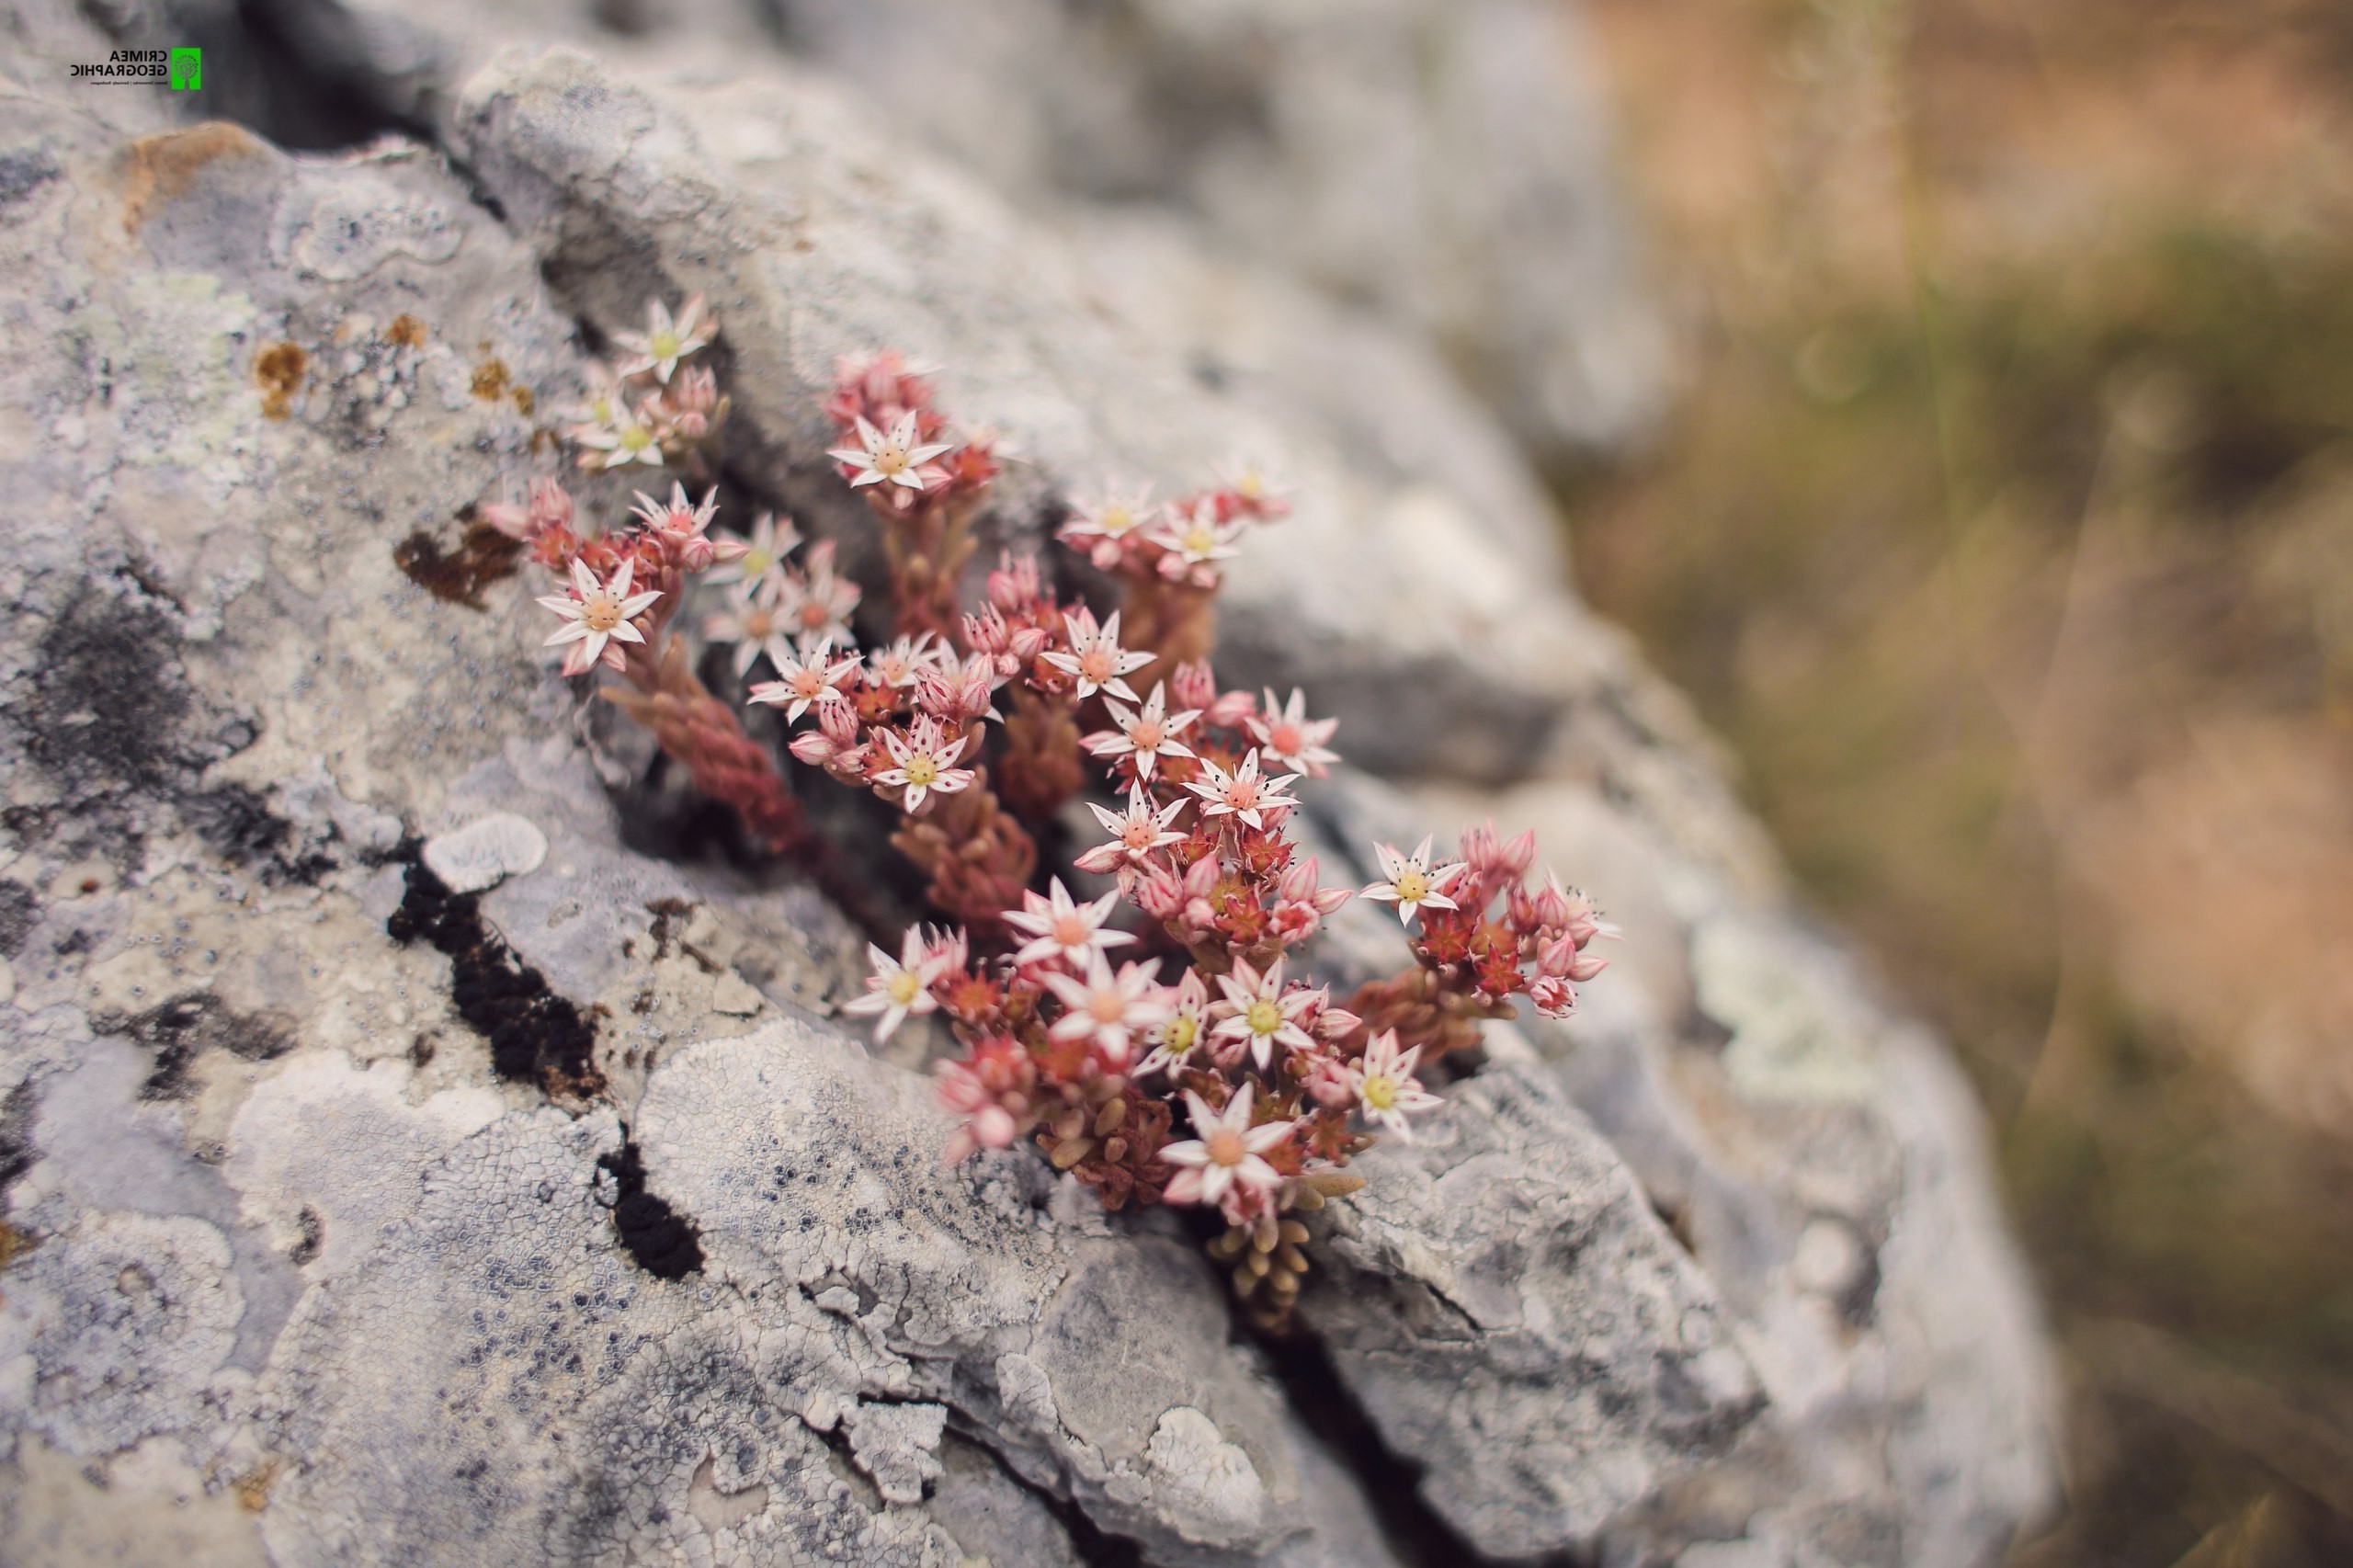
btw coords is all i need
(187, 69)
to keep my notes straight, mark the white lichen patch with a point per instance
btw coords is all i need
(1793, 1037)
(1205, 1476)
(347, 229)
(486, 852)
(127, 1319)
(329, 1157)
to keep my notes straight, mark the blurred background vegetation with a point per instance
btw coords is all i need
(2004, 528)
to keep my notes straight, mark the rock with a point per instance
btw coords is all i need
(310, 1258)
(1825, 1166)
(1516, 1319)
(1446, 164)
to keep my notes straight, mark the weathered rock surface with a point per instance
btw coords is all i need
(1516, 1318)
(312, 1254)
(1445, 164)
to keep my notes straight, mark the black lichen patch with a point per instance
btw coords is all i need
(237, 822)
(191, 1023)
(16, 1134)
(314, 1236)
(20, 913)
(458, 576)
(536, 1036)
(657, 1238)
(107, 702)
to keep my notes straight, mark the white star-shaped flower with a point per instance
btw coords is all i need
(1061, 927)
(597, 614)
(625, 439)
(894, 459)
(1181, 1032)
(1135, 834)
(1241, 793)
(818, 602)
(665, 342)
(806, 680)
(921, 762)
(897, 989)
(1095, 660)
(1256, 1013)
(1227, 1155)
(1412, 883)
(1106, 1008)
(1148, 733)
(1291, 739)
(759, 561)
(1196, 538)
(1385, 1086)
(753, 626)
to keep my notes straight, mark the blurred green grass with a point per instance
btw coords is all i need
(1999, 581)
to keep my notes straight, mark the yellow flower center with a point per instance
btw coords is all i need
(922, 771)
(1412, 885)
(1182, 1033)
(906, 986)
(755, 561)
(635, 437)
(890, 458)
(663, 344)
(600, 612)
(1380, 1092)
(1225, 1147)
(1115, 520)
(1263, 1016)
(1198, 539)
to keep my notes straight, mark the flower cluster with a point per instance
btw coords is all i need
(1151, 1030)
(648, 409)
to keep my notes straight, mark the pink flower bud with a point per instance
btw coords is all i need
(1336, 1024)
(1192, 686)
(1229, 710)
(839, 720)
(1159, 893)
(1014, 587)
(1554, 997)
(815, 748)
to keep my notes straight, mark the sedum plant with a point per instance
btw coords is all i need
(1159, 1041)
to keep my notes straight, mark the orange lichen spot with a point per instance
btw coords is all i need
(280, 370)
(490, 381)
(158, 169)
(253, 1487)
(524, 400)
(407, 332)
(14, 1244)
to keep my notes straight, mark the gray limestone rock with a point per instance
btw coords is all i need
(1510, 1311)
(298, 1270)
